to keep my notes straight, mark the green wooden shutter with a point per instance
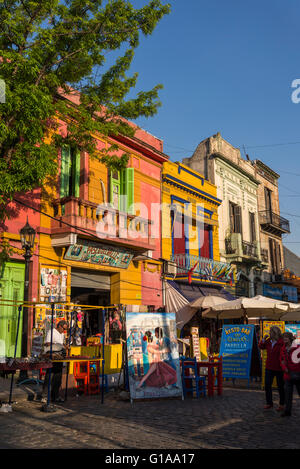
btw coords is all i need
(75, 172)
(128, 189)
(115, 189)
(65, 171)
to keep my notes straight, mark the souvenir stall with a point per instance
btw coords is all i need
(96, 339)
(91, 354)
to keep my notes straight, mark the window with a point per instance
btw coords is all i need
(122, 190)
(252, 227)
(70, 172)
(275, 256)
(268, 199)
(235, 214)
(178, 234)
(205, 241)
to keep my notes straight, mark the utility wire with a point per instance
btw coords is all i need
(90, 233)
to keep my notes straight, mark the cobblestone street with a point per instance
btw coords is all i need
(235, 420)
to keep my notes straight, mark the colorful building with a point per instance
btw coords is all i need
(12, 272)
(237, 186)
(98, 236)
(190, 234)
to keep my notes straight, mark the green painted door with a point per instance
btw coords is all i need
(11, 290)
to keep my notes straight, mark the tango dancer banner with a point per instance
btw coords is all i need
(153, 358)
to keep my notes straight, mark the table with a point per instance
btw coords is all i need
(22, 366)
(69, 360)
(210, 365)
(25, 366)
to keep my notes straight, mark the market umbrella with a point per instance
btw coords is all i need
(292, 315)
(250, 307)
(207, 301)
(290, 306)
(185, 314)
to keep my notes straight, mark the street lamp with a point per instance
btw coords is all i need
(27, 234)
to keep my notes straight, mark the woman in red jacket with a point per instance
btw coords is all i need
(290, 363)
(273, 346)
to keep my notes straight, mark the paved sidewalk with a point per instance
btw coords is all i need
(20, 393)
(235, 420)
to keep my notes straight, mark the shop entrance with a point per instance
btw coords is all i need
(90, 288)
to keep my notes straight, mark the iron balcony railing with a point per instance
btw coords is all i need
(267, 217)
(249, 249)
(208, 269)
(235, 246)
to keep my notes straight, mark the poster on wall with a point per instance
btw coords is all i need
(153, 358)
(239, 351)
(294, 329)
(53, 284)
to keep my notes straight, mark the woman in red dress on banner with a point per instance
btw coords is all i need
(160, 373)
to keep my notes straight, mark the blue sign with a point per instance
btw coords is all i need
(285, 292)
(291, 293)
(236, 350)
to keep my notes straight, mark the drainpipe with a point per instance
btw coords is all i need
(103, 192)
(251, 283)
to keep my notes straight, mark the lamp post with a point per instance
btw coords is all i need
(27, 234)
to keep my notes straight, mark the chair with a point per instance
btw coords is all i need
(81, 375)
(196, 382)
(93, 385)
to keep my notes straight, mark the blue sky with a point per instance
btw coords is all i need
(228, 66)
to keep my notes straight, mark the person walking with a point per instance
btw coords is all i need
(273, 345)
(290, 363)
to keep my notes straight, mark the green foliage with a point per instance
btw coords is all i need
(54, 47)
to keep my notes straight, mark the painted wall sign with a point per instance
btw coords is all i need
(236, 350)
(53, 284)
(101, 254)
(153, 358)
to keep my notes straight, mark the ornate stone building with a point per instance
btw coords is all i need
(239, 227)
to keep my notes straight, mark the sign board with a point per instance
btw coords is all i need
(236, 350)
(196, 347)
(266, 330)
(101, 254)
(153, 358)
(37, 345)
(285, 292)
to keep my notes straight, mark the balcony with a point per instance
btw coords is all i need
(273, 223)
(238, 250)
(207, 269)
(90, 220)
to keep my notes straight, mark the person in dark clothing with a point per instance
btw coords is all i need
(290, 363)
(273, 346)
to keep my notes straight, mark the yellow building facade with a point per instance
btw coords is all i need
(190, 230)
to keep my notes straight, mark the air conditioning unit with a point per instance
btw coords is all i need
(144, 256)
(277, 278)
(170, 268)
